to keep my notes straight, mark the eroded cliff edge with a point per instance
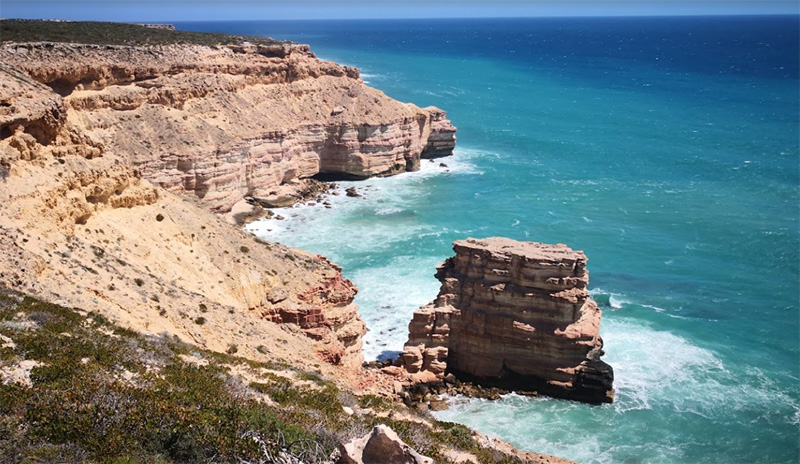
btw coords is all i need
(515, 315)
(225, 122)
(112, 155)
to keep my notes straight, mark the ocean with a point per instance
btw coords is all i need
(665, 148)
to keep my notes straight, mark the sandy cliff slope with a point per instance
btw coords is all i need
(97, 141)
(81, 227)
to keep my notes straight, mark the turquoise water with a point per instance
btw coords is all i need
(666, 149)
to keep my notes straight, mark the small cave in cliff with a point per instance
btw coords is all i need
(5, 132)
(62, 86)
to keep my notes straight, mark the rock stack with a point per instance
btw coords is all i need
(515, 315)
(442, 138)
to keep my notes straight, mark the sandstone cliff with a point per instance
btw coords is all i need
(513, 314)
(81, 227)
(222, 123)
(95, 143)
(96, 139)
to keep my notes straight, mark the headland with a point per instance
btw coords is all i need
(122, 149)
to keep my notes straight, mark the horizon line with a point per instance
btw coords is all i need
(553, 16)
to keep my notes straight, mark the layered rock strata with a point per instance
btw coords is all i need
(516, 315)
(96, 138)
(442, 138)
(79, 226)
(234, 121)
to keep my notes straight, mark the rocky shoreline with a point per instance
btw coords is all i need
(124, 169)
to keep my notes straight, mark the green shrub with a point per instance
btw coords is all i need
(79, 408)
(103, 33)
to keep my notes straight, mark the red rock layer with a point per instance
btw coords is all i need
(517, 315)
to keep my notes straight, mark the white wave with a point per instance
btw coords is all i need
(428, 92)
(655, 308)
(659, 376)
(388, 211)
(616, 303)
(369, 77)
(326, 230)
(649, 364)
(614, 300)
(387, 298)
(454, 92)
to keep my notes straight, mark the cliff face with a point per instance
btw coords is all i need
(233, 121)
(79, 226)
(514, 314)
(96, 139)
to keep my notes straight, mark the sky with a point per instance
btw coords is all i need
(200, 10)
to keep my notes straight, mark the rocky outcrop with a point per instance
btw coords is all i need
(79, 226)
(380, 446)
(516, 315)
(235, 121)
(443, 135)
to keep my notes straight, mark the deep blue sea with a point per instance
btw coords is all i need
(665, 148)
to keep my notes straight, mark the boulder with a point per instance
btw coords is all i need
(380, 446)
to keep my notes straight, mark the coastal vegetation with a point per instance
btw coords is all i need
(275, 371)
(107, 33)
(87, 390)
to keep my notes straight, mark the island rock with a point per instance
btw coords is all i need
(515, 315)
